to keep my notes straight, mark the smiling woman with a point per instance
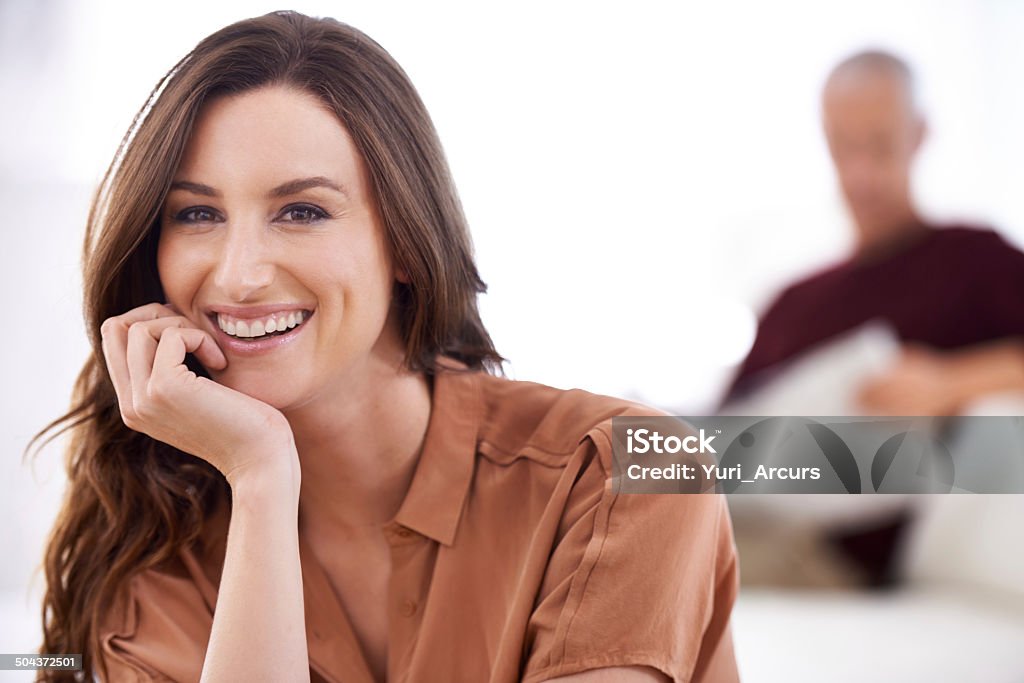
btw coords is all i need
(294, 456)
(271, 217)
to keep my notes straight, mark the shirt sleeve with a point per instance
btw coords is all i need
(636, 580)
(999, 268)
(157, 631)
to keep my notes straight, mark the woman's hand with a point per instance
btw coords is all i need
(251, 443)
(159, 396)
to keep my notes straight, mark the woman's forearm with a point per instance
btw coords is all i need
(259, 631)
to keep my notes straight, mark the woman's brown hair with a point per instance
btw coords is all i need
(132, 502)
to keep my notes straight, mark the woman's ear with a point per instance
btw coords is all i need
(401, 275)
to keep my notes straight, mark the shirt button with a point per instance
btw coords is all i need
(408, 608)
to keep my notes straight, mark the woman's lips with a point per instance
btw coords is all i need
(253, 346)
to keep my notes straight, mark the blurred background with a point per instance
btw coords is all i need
(641, 180)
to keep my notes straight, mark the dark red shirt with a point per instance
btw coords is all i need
(945, 287)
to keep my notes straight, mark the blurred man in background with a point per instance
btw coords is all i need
(953, 295)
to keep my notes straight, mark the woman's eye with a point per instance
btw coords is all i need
(196, 214)
(303, 213)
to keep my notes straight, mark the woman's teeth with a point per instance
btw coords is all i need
(261, 327)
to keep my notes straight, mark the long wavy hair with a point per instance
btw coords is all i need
(133, 502)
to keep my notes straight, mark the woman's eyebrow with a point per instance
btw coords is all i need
(283, 190)
(296, 186)
(194, 188)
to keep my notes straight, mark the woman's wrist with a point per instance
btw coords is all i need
(276, 475)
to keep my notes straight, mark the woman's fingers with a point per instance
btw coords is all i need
(175, 342)
(142, 345)
(130, 344)
(155, 348)
(114, 337)
(139, 354)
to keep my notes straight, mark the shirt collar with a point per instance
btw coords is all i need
(436, 497)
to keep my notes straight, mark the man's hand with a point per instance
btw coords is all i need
(928, 382)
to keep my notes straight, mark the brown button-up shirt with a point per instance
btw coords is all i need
(512, 560)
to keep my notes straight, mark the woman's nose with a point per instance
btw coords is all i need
(244, 267)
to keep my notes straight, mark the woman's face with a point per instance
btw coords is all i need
(271, 241)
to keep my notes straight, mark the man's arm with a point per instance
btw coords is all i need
(929, 382)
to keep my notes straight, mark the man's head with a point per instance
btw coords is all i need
(874, 129)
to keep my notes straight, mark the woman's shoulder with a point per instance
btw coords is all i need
(628, 579)
(529, 418)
